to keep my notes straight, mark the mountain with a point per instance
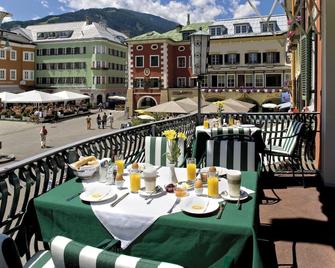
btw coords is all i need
(129, 22)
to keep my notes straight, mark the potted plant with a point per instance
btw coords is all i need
(3, 114)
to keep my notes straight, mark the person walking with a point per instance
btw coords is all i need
(104, 120)
(110, 119)
(100, 107)
(43, 135)
(88, 122)
(99, 120)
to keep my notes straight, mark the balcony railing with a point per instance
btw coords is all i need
(21, 181)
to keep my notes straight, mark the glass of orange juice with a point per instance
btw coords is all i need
(213, 184)
(135, 181)
(191, 168)
(206, 123)
(119, 162)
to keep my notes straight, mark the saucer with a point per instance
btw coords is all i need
(243, 195)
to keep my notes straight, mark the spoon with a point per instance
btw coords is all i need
(156, 190)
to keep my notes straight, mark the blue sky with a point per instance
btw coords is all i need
(176, 10)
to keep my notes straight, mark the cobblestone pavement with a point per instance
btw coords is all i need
(23, 140)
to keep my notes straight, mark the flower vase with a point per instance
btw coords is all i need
(173, 176)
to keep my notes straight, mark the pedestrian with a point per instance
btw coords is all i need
(110, 119)
(88, 122)
(43, 135)
(99, 120)
(100, 107)
(104, 120)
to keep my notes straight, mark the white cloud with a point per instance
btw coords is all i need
(35, 17)
(61, 8)
(240, 10)
(200, 10)
(45, 3)
(6, 19)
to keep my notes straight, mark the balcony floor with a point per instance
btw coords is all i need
(298, 230)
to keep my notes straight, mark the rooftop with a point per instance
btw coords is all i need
(80, 30)
(16, 38)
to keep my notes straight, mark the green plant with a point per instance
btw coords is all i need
(136, 121)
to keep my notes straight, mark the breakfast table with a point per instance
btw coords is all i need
(203, 134)
(148, 230)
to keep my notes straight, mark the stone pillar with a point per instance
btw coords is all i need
(129, 102)
(164, 96)
(328, 93)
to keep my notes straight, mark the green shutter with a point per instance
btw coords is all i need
(306, 66)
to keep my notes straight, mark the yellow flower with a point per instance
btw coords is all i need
(219, 104)
(182, 135)
(170, 134)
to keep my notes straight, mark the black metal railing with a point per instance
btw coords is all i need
(21, 181)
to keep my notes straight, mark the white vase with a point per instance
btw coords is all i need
(173, 176)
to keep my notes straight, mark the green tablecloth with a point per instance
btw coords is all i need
(176, 238)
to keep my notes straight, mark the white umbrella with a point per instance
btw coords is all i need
(146, 117)
(70, 96)
(35, 96)
(121, 98)
(6, 96)
(168, 107)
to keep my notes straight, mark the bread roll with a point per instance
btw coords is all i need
(83, 161)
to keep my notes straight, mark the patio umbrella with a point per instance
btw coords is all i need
(239, 104)
(7, 96)
(120, 98)
(192, 102)
(212, 108)
(168, 107)
(146, 117)
(35, 96)
(70, 96)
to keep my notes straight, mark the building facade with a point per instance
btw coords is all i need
(160, 67)
(248, 60)
(17, 63)
(84, 57)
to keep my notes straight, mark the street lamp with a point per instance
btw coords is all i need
(4, 14)
(199, 51)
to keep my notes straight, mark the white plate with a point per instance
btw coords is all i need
(247, 126)
(220, 170)
(187, 185)
(243, 195)
(198, 205)
(97, 194)
(143, 193)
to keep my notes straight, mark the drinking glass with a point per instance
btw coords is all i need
(135, 181)
(213, 184)
(119, 162)
(191, 168)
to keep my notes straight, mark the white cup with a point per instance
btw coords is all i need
(234, 182)
(150, 176)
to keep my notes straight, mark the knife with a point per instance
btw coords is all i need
(119, 200)
(222, 206)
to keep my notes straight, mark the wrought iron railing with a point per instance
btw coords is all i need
(21, 181)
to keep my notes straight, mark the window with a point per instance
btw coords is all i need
(181, 48)
(232, 58)
(28, 56)
(154, 82)
(253, 58)
(218, 80)
(13, 55)
(181, 81)
(138, 83)
(154, 61)
(28, 75)
(216, 59)
(12, 74)
(270, 26)
(287, 79)
(181, 62)
(259, 80)
(271, 57)
(248, 80)
(2, 54)
(204, 82)
(231, 80)
(242, 28)
(218, 31)
(139, 47)
(153, 47)
(54, 35)
(192, 82)
(273, 80)
(186, 36)
(139, 61)
(2, 74)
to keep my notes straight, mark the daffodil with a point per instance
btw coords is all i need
(181, 135)
(170, 134)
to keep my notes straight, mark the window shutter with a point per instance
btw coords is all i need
(306, 66)
(237, 58)
(246, 58)
(226, 58)
(220, 59)
(259, 57)
(277, 57)
(264, 57)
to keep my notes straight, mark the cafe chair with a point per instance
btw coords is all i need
(156, 149)
(233, 153)
(67, 253)
(288, 145)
